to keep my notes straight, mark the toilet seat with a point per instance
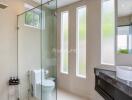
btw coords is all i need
(48, 83)
(40, 83)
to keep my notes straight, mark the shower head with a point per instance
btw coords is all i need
(3, 6)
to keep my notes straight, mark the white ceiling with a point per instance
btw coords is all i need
(124, 7)
(62, 3)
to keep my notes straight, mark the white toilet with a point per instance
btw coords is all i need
(41, 84)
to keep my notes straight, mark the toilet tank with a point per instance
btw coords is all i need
(36, 78)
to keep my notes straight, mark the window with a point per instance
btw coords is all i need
(124, 39)
(64, 41)
(81, 42)
(32, 18)
(108, 33)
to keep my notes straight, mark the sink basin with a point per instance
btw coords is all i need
(124, 73)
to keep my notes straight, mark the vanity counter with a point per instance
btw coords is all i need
(107, 82)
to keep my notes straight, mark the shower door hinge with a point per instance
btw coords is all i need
(17, 28)
(55, 13)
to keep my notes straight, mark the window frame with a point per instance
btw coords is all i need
(77, 42)
(34, 12)
(128, 38)
(62, 43)
(115, 39)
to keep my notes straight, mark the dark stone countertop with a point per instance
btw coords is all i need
(110, 77)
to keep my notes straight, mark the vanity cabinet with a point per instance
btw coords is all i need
(108, 88)
(121, 96)
(104, 89)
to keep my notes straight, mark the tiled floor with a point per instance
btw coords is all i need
(63, 95)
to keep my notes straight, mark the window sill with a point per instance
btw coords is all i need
(107, 64)
(31, 26)
(81, 76)
(64, 73)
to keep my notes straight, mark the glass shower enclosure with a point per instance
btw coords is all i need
(37, 52)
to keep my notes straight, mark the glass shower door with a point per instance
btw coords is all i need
(49, 88)
(37, 53)
(29, 54)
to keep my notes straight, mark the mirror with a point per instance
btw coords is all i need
(124, 27)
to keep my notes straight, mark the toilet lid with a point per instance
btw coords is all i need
(48, 83)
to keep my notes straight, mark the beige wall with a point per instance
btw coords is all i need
(82, 87)
(8, 44)
(124, 20)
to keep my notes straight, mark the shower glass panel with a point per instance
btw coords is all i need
(49, 50)
(37, 53)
